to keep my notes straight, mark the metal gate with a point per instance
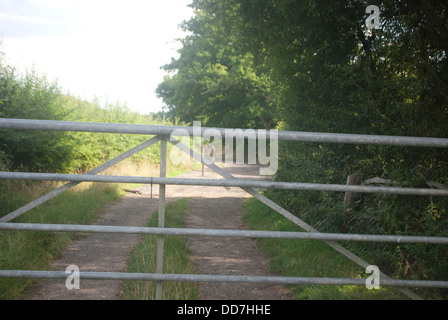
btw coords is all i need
(164, 135)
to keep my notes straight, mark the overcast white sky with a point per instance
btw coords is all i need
(112, 49)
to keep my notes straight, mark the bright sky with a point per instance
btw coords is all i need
(111, 49)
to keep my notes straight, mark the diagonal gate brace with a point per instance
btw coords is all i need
(52, 194)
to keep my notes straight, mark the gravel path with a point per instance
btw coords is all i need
(211, 207)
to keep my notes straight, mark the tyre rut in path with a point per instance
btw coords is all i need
(210, 207)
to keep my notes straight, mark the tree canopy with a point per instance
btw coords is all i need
(314, 65)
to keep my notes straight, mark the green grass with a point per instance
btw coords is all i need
(309, 258)
(176, 260)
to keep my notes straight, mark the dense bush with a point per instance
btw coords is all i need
(370, 213)
(30, 96)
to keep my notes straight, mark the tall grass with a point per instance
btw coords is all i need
(176, 260)
(309, 258)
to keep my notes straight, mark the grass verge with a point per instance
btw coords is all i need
(176, 260)
(309, 258)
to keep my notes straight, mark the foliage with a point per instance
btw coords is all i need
(215, 80)
(24, 97)
(91, 149)
(30, 96)
(320, 69)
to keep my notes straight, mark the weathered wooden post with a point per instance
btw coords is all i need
(353, 179)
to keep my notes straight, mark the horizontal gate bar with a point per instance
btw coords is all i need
(223, 233)
(222, 183)
(188, 131)
(217, 278)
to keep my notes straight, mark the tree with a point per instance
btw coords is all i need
(215, 80)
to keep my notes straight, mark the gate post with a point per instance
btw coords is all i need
(161, 216)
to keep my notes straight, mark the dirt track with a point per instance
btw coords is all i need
(211, 207)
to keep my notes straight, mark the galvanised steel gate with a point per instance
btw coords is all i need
(164, 135)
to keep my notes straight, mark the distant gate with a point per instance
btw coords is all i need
(163, 134)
